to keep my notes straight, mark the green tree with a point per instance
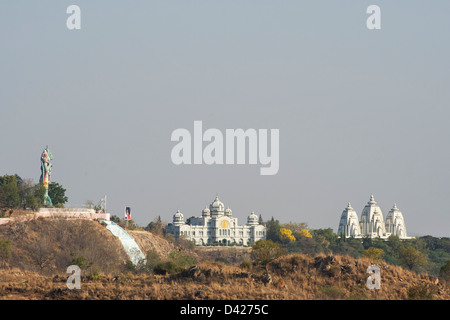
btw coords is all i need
(351, 246)
(80, 261)
(115, 219)
(260, 219)
(373, 253)
(412, 258)
(10, 191)
(33, 197)
(57, 193)
(273, 230)
(444, 272)
(265, 251)
(156, 226)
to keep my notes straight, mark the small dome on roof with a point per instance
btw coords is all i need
(178, 217)
(252, 218)
(205, 212)
(228, 211)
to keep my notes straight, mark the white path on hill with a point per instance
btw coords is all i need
(128, 242)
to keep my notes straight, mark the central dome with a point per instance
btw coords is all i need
(216, 204)
(216, 207)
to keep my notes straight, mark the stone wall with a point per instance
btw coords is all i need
(68, 213)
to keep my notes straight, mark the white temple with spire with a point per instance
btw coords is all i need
(217, 225)
(372, 224)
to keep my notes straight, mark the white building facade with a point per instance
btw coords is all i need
(372, 224)
(217, 225)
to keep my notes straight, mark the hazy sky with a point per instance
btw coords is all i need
(360, 111)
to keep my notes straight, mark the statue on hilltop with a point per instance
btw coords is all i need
(46, 171)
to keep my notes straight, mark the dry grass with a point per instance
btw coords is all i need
(41, 253)
(48, 245)
(293, 277)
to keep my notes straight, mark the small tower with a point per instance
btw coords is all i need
(395, 224)
(206, 213)
(349, 224)
(178, 218)
(228, 212)
(252, 219)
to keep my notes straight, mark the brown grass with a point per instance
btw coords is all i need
(41, 253)
(293, 277)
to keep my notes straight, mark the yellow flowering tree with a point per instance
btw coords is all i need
(286, 235)
(374, 253)
(305, 233)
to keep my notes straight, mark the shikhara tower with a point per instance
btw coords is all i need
(372, 224)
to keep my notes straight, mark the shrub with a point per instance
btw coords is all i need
(94, 276)
(129, 266)
(222, 260)
(246, 265)
(333, 292)
(181, 259)
(177, 262)
(374, 253)
(80, 261)
(421, 292)
(266, 251)
(153, 259)
(165, 267)
(5, 252)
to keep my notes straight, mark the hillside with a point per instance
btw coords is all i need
(49, 245)
(292, 277)
(42, 249)
(149, 242)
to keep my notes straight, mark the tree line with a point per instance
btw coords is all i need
(16, 193)
(421, 254)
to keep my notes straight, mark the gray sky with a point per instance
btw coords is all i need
(360, 112)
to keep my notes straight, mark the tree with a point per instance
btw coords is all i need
(265, 251)
(261, 220)
(445, 271)
(33, 197)
(10, 191)
(304, 233)
(156, 226)
(286, 235)
(57, 193)
(295, 227)
(80, 261)
(324, 238)
(374, 253)
(412, 258)
(115, 219)
(273, 230)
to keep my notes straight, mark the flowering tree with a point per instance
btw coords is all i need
(286, 235)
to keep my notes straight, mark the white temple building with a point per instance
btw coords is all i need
(372, 224)
(349, 224)
(217, 225)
